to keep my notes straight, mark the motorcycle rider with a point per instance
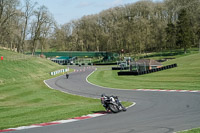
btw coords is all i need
(113, 99)
(67, 75)
(103, 96)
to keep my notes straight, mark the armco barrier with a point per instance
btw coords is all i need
(148, 71)
(119, 68)
(59, 71)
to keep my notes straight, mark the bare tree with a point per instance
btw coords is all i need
(26, 14)
(42, 17)
(8, 11)
(46, 29)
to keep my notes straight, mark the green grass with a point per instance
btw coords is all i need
(191, 131)
(184, 77)
(25, 99)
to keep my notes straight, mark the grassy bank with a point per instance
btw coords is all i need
(185, 77)
(24, 98)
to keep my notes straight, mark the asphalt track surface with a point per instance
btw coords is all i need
(154, 112)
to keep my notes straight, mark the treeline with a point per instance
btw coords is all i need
(141, 27)
(25, 26)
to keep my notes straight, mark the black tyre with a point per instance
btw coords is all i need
(113, 108)
(123, 108)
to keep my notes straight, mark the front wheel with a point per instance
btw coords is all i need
(123, 108)
(113, 108)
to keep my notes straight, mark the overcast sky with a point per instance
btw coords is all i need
(66, 10)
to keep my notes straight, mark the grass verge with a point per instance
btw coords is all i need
(191, 131)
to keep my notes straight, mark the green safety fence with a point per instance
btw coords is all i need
(78, 54)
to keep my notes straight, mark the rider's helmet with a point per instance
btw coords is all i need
(103, 95)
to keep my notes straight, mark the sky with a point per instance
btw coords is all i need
(66, 10)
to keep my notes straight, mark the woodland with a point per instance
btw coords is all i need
(141, 27)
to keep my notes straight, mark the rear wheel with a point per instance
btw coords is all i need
(113, 108)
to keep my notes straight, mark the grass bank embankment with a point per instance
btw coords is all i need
(25, 99)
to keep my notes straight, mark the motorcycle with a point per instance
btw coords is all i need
(112, 103)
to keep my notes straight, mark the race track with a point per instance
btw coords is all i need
(154, 112)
